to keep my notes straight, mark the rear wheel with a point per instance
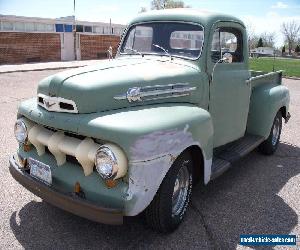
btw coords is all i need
(167, 209)
(269, 146)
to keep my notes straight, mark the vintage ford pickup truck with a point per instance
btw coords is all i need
(177, 106)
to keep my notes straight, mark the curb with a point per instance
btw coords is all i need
(291, 77)
(41, 69)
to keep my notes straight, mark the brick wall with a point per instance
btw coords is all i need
(96, 46)
(19, 47)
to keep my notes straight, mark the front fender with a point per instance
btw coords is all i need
(152, 137)
(265, 102)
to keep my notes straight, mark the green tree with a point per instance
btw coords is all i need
(283, 49)
(297, 49)
(260, 43)
(167, 4)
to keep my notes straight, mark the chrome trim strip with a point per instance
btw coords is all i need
(156, 92)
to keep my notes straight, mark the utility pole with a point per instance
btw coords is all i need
(110, 31)
(74, 30)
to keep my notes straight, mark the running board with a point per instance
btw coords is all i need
(226, 155)
(218, 167)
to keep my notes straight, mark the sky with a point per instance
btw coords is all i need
(261, 15)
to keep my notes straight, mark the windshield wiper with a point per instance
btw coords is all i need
(163, 49)
(133, 50)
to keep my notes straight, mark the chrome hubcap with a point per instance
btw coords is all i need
(276, 131)
(180, 191)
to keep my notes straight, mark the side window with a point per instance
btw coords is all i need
(227, 40)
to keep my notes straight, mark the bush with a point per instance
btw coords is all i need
(260, 43)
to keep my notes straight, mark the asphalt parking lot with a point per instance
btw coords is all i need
(259, 195)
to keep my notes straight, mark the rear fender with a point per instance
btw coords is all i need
(266, 101)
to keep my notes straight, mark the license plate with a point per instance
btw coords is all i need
(40, 171)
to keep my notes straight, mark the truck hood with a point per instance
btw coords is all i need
(114, 84)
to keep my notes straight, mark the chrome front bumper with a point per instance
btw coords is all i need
(70, 203)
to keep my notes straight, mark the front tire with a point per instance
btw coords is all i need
(269, 146)
(167, 209)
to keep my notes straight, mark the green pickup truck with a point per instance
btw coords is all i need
(177, 106)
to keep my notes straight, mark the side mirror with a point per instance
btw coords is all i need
(227, 57)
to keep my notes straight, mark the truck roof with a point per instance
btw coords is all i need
(203, 17)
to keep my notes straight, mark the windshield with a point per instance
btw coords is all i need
(164, 38)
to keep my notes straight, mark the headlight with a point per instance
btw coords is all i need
(21, 132)
(110, 162)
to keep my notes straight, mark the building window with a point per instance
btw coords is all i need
(50, 27)
(7, 26)
(106, 30)
(68, 28)
(29, 27)
(87, 28)
(79, 28)
(59, 27)
(19, 26)
(97, 29)
(40, 27)
(43, 27)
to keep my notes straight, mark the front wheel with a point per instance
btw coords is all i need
(167, 209)
(269, 146)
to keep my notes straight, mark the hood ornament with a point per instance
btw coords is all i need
(156, 92)
(134, 94)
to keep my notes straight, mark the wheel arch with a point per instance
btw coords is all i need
(285, 114)
(198, 163)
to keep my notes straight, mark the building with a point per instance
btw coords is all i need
(30, 39)
(262, 51)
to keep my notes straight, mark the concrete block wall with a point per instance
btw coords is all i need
(96, 46)
(22, 47)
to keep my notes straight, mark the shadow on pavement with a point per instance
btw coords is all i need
(244, 200)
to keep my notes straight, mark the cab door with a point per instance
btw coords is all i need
(229, 89)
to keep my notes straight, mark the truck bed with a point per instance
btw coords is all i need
(259, 77)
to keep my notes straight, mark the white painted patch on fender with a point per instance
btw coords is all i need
(144, 181)
(161, 143)
(151, 157)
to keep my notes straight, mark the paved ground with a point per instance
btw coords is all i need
(259, 195)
